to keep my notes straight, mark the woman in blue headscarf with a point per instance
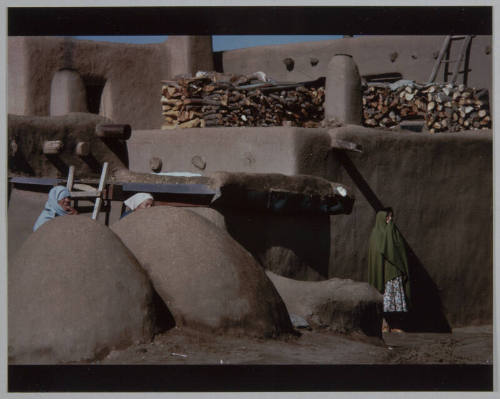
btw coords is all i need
(58, 204)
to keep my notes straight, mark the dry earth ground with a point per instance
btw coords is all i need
(468, 345)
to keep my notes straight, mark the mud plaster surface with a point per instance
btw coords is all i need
(468, 345)
(75, 292)
(206, 279)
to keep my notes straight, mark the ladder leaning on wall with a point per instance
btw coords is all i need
(462, 59)
(88, 192)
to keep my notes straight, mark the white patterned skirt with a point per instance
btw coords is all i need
(394, 296)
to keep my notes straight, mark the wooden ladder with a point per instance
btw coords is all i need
(445, 50)
(88, 191)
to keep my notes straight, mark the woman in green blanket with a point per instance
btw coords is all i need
(388, 269)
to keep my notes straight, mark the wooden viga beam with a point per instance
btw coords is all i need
(113, 131)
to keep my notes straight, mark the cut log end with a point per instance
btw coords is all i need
(52, 147)
(82, 149)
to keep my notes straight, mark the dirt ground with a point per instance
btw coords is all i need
(468, 345)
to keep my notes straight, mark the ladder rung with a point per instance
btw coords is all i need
(463, 50)
(458, 37)
(461, 72)
(448, 61)
(85, 194)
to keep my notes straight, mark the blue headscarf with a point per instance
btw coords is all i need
(52, 208)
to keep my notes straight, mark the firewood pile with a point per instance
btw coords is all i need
(213, 99)
(443, 107)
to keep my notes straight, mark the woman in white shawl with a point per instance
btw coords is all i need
(138, 201)
(58, 204)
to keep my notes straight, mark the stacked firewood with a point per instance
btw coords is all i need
(443, 107)
(214, 99)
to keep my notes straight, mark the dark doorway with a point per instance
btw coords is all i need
(94, 86)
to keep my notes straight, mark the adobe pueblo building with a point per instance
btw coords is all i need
(280, 157)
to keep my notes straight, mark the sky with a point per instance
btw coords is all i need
(220, 43)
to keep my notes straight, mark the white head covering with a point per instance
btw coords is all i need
(137, 199)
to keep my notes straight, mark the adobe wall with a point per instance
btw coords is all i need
(440, 187)
(17, 87)
(284, 150)
(411, 56)
(434, 193)
(189, 54)
(131, 74)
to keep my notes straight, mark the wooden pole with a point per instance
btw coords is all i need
(435, 69)
(71, 176)
(463, 50)
(102, 182)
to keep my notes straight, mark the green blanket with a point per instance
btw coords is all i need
(387, 255)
